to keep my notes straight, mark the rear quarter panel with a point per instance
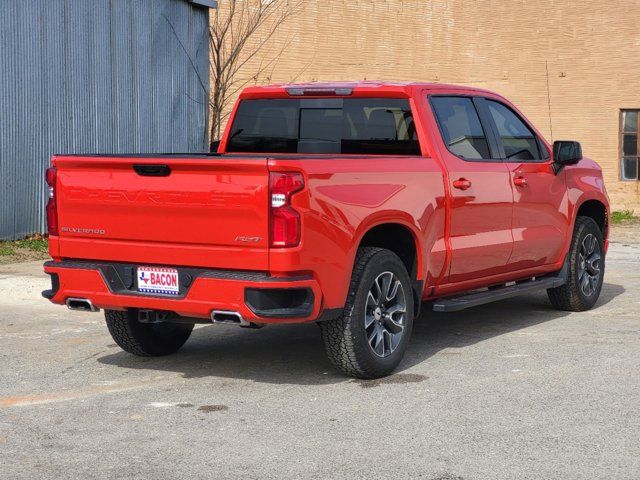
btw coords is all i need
(345, 197)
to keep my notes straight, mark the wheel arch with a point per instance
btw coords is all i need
(395, 237)
(402, 239)
(597, 210)
(592, 206)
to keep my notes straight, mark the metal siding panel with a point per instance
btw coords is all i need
(141, 46)
(179, 43)
(104, 121)
(29, 175)
(201, 79)
(86, 77)
(161, 59)
(79, 85)
(24, 110)
(52, 124)
(8, 43)
(121, 79)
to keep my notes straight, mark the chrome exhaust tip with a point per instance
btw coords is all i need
(228, 317)
(81, 304)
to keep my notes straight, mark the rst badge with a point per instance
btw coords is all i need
(158, 280)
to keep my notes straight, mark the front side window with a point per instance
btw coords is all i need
(460, 127)
(368, 126)
(629, 135)
(518, 141)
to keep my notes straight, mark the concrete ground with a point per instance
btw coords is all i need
(512, 390)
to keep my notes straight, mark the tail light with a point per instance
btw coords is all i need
(52, 208)
(285, 220)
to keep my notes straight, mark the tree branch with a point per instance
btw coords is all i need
(233, 48)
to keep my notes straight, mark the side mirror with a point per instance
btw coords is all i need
(566, 152)
(213, 146)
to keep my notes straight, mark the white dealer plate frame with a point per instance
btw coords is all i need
(164, 281)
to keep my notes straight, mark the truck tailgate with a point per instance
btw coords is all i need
(192, 211)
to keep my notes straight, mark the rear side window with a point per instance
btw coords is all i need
(371, 126)
(517, 139)
(460, 127)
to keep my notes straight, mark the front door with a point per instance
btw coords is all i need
(481, 197)
(539, 195)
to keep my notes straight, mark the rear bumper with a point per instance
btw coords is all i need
(256, 296)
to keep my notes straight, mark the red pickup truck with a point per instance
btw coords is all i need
(345, 204)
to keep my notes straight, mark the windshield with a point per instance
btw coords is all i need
(370, 126)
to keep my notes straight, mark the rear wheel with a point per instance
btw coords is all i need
(585, 269)
(146, 339)
(370, 337)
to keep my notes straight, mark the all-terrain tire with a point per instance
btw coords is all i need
(145, 339)
(570, 296)
(345, 338)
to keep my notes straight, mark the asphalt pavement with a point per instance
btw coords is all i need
(511, 390)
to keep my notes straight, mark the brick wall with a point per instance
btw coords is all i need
(570, 66)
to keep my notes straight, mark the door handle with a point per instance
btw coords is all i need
(520, 182)
(462, 184)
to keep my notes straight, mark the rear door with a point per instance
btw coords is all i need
(481, 196)
(540, 196)
(191, 211)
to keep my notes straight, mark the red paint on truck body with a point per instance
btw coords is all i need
(510, 220)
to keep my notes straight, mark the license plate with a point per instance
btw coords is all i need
(158, 280)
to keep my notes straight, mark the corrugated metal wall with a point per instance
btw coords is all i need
(97, 76)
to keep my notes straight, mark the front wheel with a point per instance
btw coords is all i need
(585, 269)
(370, 337)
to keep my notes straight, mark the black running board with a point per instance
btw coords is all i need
(455, 304)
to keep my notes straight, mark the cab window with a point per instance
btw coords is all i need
(460, 127)
(518, 141)
(365, 126)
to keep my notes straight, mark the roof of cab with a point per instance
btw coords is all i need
(361, 86)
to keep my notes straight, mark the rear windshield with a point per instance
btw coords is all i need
(370, 126)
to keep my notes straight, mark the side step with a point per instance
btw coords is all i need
(455, 304)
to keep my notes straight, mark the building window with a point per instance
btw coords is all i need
(629, 135)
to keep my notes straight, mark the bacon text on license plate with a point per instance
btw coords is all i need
(158, 280)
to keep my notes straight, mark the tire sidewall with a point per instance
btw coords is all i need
(382, 261)
(161, 339)
(144, 339)
(586, 227)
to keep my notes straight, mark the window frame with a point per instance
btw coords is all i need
(486, 127)
(542, 148)
(621, 155)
